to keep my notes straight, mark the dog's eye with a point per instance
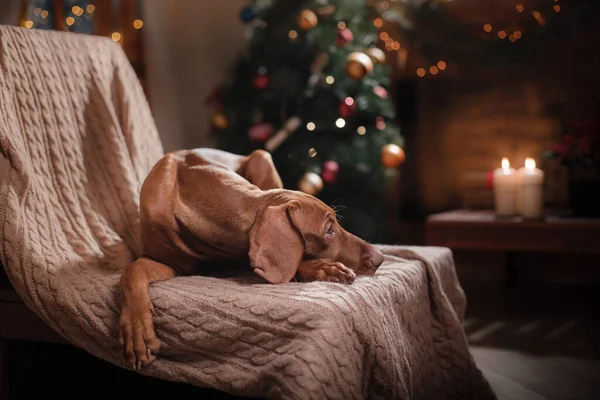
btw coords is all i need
(330, 230)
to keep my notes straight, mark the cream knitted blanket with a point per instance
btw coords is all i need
(76, 141)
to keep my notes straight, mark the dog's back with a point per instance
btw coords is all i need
(195, 208)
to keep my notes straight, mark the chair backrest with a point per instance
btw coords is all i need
(77, 139)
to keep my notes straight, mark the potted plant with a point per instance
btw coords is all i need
(578, 150)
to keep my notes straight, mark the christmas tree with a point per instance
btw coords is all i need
(312, 89)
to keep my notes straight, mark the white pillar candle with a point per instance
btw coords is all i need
(530, 198)
(505, 189)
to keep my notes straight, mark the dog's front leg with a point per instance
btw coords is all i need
(327, 271)
(136, 329)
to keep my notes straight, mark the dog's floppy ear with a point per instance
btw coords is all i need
(276, 245)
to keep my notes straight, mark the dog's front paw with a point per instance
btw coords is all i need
(137, 336)
(336, 272)
(324, 271)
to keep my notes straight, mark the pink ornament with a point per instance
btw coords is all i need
(260, 132)
(380, 123)
(330, 171)
(344, 37)
(261, 82)
(381, 92)
(347, 107)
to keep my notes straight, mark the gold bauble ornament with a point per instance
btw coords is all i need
(376, 55)
(310, 183)
(392, 155)
(219, 121)
(358, 65)
(307, 20)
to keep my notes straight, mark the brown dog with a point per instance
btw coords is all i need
(202, 205)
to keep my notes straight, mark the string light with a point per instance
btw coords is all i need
(312, 152)
(329, 79)
(138, 23)
(116, 36)
(90, 8)
(310, 126)
(70, 21)
(29, 24)
(557, 8)
(340, 122)
(391, 44)
(44, 14)
(384, 5)
(77, 10)
(341, 24)
(37, 10)
(361, 130)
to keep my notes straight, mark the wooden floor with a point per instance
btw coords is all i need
(537, 343)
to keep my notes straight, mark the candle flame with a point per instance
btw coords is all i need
(505, 163)
(529, 163)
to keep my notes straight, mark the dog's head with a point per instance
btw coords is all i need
(298, 226)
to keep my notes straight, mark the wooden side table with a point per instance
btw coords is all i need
(482, 230)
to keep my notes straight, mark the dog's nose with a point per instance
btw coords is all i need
(375, 258)
(378, 259)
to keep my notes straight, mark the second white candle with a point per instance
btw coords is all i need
(530, 199)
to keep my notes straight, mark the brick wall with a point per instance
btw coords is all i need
(470, 124)
(469, 120)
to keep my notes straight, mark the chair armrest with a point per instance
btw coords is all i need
(21, 323)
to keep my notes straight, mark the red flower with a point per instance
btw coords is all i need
(568, 139)
(561, 149)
